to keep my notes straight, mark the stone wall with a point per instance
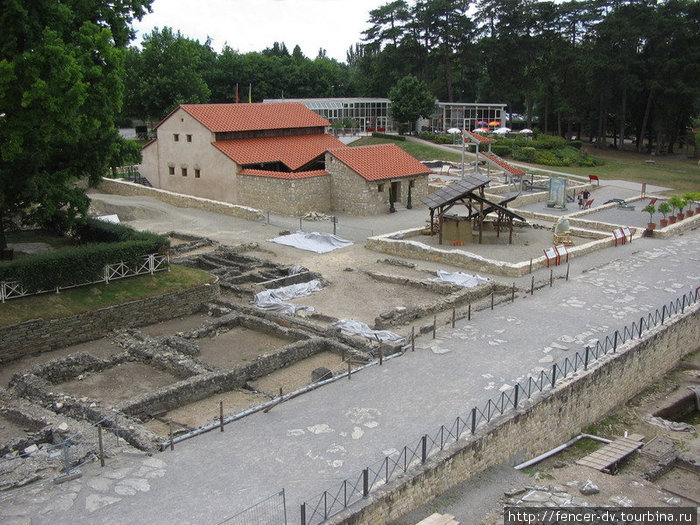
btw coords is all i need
(120, 187)
(405, 247)
(37, 335)
(538, 425)
(286, 196)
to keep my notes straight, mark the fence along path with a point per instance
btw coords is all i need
(331, 502)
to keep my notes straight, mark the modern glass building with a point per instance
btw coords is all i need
(372, 114)
(366, 114)
(467, 115)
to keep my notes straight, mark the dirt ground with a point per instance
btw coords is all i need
(120, 383)
(236, 346)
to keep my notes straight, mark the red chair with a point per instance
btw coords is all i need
(588, 204)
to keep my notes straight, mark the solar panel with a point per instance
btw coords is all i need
(454, 191)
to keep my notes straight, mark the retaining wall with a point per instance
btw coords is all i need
(119, 187)
(538, 425)
(37, 335)
(405, 247)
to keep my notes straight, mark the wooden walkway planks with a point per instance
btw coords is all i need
(439, 519)
(612, 453)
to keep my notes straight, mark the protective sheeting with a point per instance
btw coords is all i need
(313, 241)
(276, 299)
(459, 278)
(676, 426)
(360, 328)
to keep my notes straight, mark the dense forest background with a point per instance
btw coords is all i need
(603, 69)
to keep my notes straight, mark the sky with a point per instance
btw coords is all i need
(253, 25)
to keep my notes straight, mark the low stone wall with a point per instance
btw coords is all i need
(538, 425)
(407, 248)
(120, 187)
(38, 335)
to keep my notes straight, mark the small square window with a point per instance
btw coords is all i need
(171, 170)
(176, 137)
(380, 188)
(184, 172)
(197, 173)
(189, 138)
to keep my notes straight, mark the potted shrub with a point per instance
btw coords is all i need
(676, 204)
(665, 209)
(651, 210)
(681, 206)
(690, 200)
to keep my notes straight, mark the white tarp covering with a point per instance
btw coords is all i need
(276, 299)
(360, 328)
(114, 219)
(459, 278)
(313, 241)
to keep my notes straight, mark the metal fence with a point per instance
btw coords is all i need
(270, 511)
(329, 503)
(148, 265)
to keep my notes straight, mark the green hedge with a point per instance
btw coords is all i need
(101, 243)
(72, 266)
(387, 136)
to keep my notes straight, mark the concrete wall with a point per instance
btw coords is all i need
(538, 425)
(30, 337)
(286, 196)
(120, 187)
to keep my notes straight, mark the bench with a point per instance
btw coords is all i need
(594, 178)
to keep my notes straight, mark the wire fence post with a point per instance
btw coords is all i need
(615, 341)
(434, 325)
(532, 286)
(492, 294)
(585, 361)
(303, 513)
(567, 271)
(554, 374)
(515, 395)
(512, 294)
(413, 339)
(365, 483)
(473, 420)
(424, 448)
(100, 444)
(551, 277)
(221, 415)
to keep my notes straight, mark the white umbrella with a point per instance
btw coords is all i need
(526, 131)
(454, 130)
(480, 130)
(501, 131)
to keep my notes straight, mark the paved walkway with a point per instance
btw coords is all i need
(313, 442)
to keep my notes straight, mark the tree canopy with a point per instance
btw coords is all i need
(61, 67)
(410, 100)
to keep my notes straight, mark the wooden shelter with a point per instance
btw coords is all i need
(469, 191)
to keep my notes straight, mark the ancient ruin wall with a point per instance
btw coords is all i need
(30, 337)
(539, 425)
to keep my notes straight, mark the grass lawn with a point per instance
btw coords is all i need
(677, 172)
(419, 150)
(86, 298)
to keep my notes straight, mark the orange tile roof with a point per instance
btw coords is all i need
(495, 159)
(293, 175)
(478, 139)
(383, 161)
(255, 116)
(293, 151)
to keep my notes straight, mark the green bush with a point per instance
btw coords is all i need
(101, 243)
(525, 154)
(387, 136)
(72, 266)
(426, 135)
(94, 230)
(444, 139)
(501, 150)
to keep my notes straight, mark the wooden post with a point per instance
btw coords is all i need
(434, 325)
(491, 300)
(454, 315)
(512, 294)
(469, 312)
(102, 450)
(530, 264)
(567, 271)
(532, 286)
(413, 339)
(349, 369)
(170, 431)
(381, 355)
(221, 415)
(551, 277)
